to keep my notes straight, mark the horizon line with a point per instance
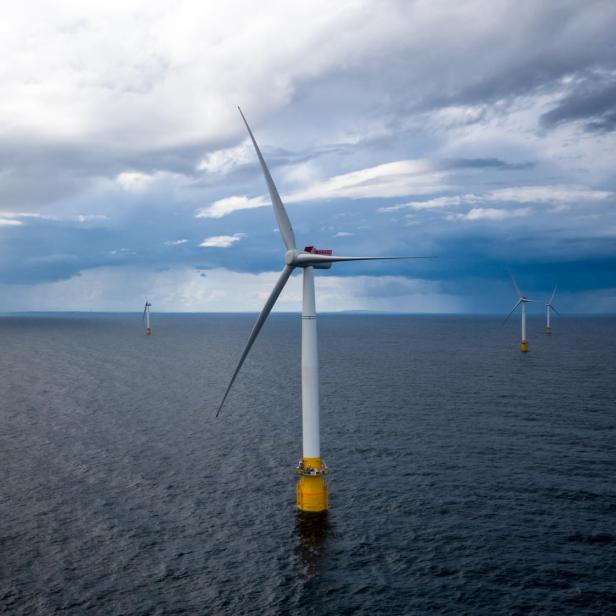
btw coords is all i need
(280, 312)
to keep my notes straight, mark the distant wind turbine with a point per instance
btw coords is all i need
(146, 318)
(549, 307)
(522, 301)
(311, 489)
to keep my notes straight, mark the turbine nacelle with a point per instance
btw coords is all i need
(549, 303)
(309, 257)
(522, 299)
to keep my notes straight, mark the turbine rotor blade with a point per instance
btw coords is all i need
(553, 294)
(284, 224)
(512, 310)
(306, 258)
(269, 304)
(556, 311)
(515, 285)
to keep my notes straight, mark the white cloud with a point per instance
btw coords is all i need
(221, 241)
(394, 179)
(343, 234)
(557, 194)
(91, 218)
(158, 182)
(490, 213)
(560, 193)
(134, 181)
(437, 202)
(301, 174)
(175, 242)
(228, 205)
(22, 215)
(226, 160)
(14, 218)
(113, 72)
(459, 115)
(18, 216)
(10, 222)
(399, 178)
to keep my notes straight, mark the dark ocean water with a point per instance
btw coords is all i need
(467, 478)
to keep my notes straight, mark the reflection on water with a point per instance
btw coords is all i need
(312, 531)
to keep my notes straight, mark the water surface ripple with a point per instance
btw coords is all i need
(467, 478)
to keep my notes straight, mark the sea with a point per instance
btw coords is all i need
(466, 477)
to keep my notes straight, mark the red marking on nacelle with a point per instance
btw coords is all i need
(316, 251)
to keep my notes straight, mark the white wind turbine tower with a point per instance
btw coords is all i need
(311, 489)
(522, 301)
(549, 307)
(146, 318)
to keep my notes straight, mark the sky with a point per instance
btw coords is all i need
(482, 133)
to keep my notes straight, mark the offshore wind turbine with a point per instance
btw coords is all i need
(146, 318)
(522, 301)
(549, 307)
(311, 489)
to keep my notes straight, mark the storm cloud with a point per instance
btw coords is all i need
(481, 132)
(590, 100)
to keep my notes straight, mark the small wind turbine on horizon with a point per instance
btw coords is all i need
(146, 318)
(522, 301)
(311, 489)
(549, 307)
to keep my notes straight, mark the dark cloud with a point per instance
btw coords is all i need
(591, 100)
(35, 172)
(475, 55)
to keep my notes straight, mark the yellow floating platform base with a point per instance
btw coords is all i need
(548, 330)
(524, 346)
(148, 331)
(311, 489)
